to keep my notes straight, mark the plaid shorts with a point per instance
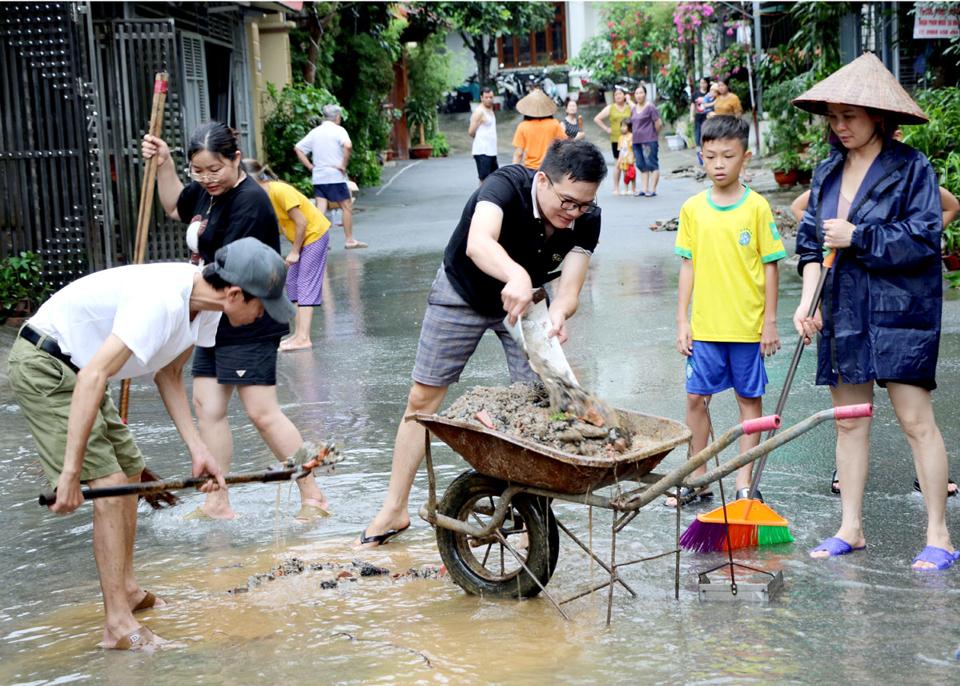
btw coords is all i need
(450, 334)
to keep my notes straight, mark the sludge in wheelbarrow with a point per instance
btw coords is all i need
(530, 445)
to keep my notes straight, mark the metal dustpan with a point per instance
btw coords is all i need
(531, 332)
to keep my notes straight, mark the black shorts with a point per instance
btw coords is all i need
(244, 364)
(486, 165)
(615, 147)
(925, 384)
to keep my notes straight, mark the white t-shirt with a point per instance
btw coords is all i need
(325, 144)
(485, 138)
(147, 306)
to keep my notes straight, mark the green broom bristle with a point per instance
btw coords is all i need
(773, 535)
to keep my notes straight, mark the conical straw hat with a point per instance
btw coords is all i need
(865, 82)
(536, 104)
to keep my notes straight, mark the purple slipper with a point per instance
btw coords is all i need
(943, 559)
(836, 546)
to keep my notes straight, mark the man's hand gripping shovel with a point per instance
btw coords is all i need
(532, 334)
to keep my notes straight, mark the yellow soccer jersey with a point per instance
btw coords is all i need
(284, 198)
(729, 246)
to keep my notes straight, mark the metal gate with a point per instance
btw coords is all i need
(130, 53)
(47, 175)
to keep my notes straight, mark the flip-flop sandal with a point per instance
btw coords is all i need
(381, 539)
(148, 601)
(835, 547)
(690, 496)
(356, 246)
(743, 493)
(651, 195)
(835, 484)
(941, 558)
(950, 482)
(138, 639)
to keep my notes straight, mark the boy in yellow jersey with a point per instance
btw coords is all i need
(730, 247)
(307, 229)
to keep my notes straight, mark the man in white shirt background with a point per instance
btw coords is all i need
(325, 151)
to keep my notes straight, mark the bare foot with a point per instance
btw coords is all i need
(353, 245)
(294, 344)
(204, 512)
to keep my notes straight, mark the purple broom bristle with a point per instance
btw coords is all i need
(702, 537)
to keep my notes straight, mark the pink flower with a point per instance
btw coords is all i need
(730, 31)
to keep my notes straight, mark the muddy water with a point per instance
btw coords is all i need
(859, 619)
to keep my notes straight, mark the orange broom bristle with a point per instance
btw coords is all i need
(708, 533)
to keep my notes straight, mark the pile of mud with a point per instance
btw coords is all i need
(332, 574)
(524, 410)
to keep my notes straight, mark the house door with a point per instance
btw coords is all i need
(48, 180)
(131, 53)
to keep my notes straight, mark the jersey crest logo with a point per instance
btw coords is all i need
(744, 237)
(241, 372)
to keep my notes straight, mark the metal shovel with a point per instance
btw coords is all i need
(550, 364)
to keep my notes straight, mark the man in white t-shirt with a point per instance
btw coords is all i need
(329, 148)
(483, 130)
(117, 324)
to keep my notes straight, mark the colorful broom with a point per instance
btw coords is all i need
(749, 522)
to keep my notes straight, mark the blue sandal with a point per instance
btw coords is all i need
(835, 547)
(941, 558)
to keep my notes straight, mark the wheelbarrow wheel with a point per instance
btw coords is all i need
(485, 566)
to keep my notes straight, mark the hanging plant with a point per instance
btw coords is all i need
(731, 61)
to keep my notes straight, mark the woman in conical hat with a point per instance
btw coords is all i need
(875, 201)
(537, 130)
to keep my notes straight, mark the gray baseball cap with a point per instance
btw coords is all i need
(260, 271)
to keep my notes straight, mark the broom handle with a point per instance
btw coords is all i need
(794, 363)
(146, 205)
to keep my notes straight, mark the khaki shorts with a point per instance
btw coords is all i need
(43, 386)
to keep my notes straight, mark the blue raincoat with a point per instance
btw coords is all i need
(882, 302)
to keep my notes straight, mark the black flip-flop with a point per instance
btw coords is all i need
(950, 482)
(381, 539)
(689, 496)
(835, 483)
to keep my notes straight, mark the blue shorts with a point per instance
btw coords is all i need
(646, 156)
(715, 367)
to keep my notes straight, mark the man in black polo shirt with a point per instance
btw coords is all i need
(518, 231)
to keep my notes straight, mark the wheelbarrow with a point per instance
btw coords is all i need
(495, 526)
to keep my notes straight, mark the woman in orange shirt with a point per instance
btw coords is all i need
(537, 130)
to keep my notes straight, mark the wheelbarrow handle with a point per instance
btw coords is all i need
(853, 411)
(755, 426)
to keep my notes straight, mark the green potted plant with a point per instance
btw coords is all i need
(419, 117)
(21, 286)
(786, 170)
(951, 247)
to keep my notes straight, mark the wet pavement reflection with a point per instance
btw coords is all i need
(858, 619)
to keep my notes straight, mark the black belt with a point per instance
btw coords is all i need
(47, 345)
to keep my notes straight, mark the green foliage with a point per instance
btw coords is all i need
(21, 281)
(671, 86)
(429, 72)
(635, 31)
(817, 40)
(937, 139)
(480, 23)
(596, 58)
(791, 129)
(559, 417)
(348, 49)
(779, 64)
(293, 112)
(439, 143)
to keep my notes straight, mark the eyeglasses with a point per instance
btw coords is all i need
(572, 205)
(208, 177)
